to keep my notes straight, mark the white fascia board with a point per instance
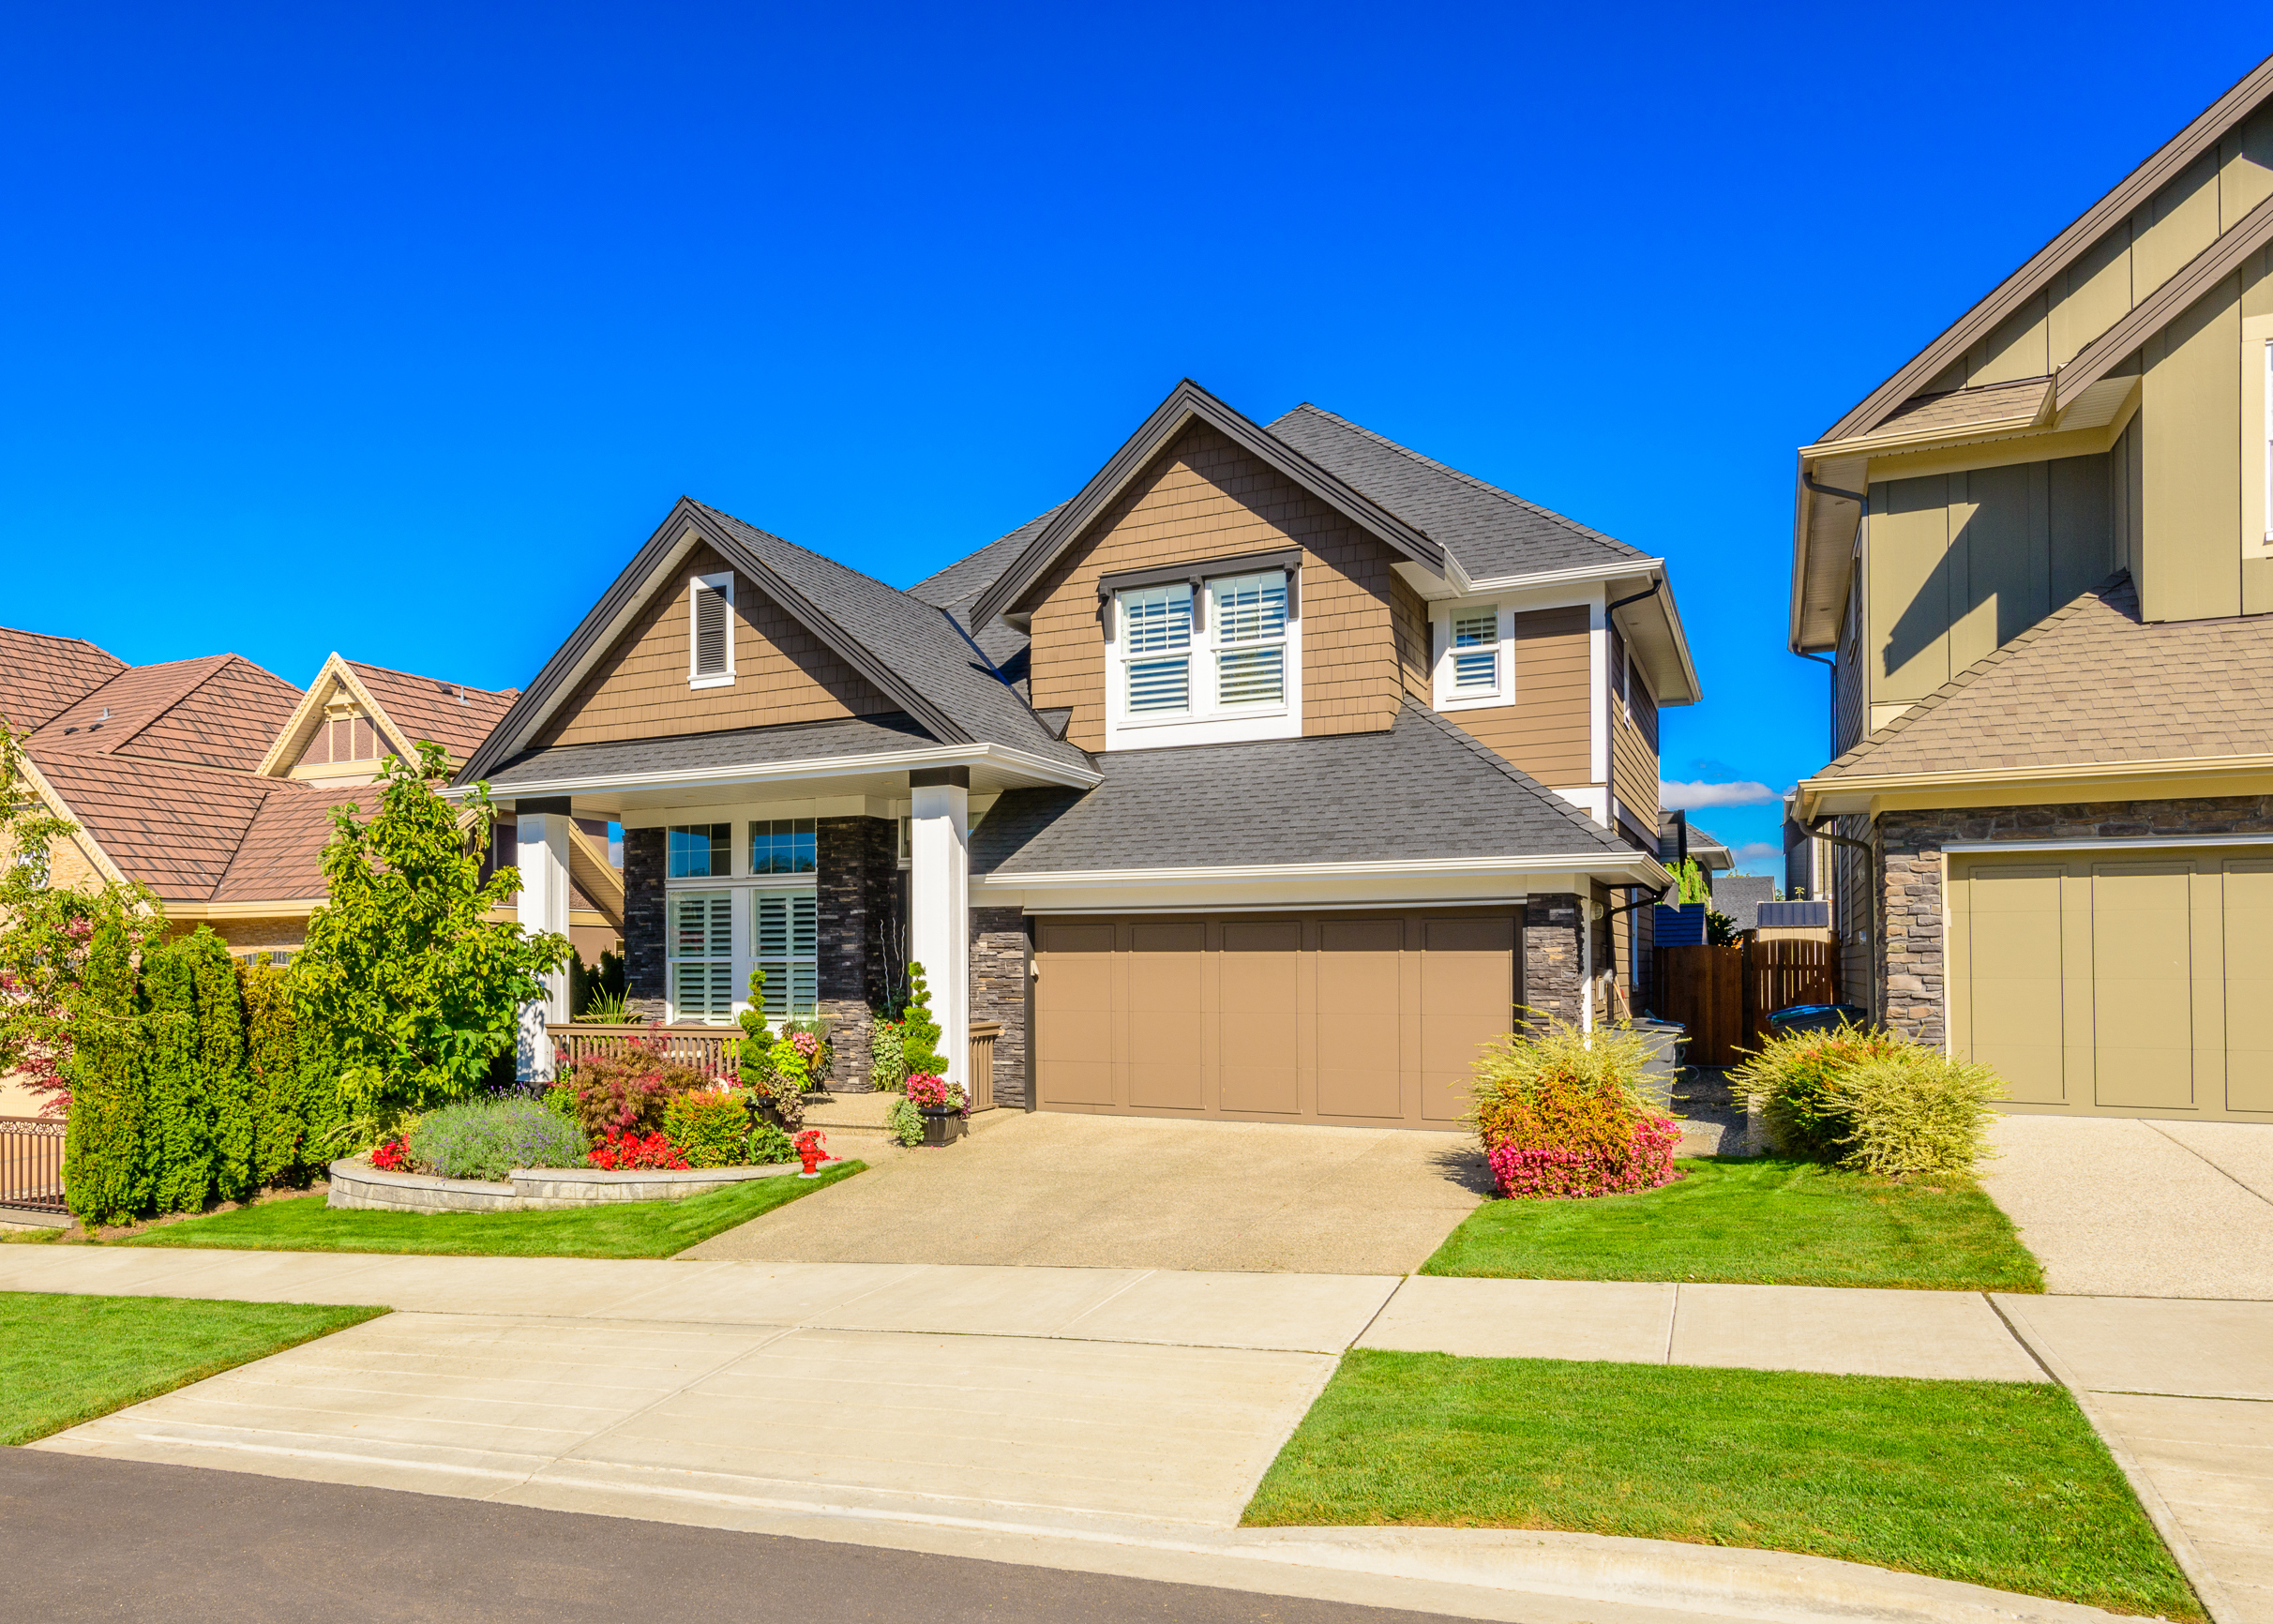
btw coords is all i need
(998, 756)
(1586, 575)
(1431, 879)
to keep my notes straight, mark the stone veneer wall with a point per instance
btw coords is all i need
(1912, 959)
(645, 993)
(998, 993)
(858, 890)
(1553, 957)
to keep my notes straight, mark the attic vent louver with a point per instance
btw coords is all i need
(711, 627)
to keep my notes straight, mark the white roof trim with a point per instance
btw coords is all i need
(790, 771)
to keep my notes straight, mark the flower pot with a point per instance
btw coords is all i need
(942, 1127)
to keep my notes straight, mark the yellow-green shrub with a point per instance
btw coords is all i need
(1562, 1112)
(1788, 1081)
(1918, 1112)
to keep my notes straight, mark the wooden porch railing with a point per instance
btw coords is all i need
(702, 1047)
(31, 1164)
(983, 1035)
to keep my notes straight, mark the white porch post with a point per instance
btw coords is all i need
(938, 904)
(542, 828)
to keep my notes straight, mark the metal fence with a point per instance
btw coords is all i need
(31, 1164)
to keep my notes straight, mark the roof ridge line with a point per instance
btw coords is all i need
(1919, 709)
(1465, 478)
(825, 558)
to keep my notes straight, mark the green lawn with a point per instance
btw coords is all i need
(1771, 1222)
(1996, 1483)
(624, 1229)
(66, 1359)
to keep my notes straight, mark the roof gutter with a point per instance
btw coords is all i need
(998, 756)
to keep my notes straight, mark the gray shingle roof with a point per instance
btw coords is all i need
(1422, 790)
(919, 640)
(1492, 532)
(795, 741)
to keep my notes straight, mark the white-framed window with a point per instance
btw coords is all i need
(710, 631)
(785, 939)
(1475, 663)
(2256, 370)
(700, 925)
(1209, 659)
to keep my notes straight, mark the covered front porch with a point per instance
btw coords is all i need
(829, 858)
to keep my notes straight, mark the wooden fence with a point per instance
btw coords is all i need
(1725, 995)
(983, 1035)
(702, 1047)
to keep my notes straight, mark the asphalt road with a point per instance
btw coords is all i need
(89, 1539)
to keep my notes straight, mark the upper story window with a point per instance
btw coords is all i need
(782, 846)
(701, 850)
(711, 631)
(1475, 655)
(1205, 658)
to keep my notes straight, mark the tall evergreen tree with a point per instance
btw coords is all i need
(105, 1170)
(179, 1128)
(272, 1067)
(224, 1081)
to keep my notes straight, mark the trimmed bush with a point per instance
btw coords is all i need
(918, 1033)
(711, 1128)
(627, 1089)
(1564, 1113)
(178, 1136)
(489, 1138)
(1871, 1101)
(224, 1079)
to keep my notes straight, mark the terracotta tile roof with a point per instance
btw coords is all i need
(216, 711)
(175, 827)
(456, 718)
(40, 676)
(2089, 683)
(281, 855)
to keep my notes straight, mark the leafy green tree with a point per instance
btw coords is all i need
(178, 1131)
(1691, 879)
(413, 988)
(918, 1033)
(105, 1173)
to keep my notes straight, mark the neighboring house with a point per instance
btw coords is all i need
(1739, 896)
(1261, 779)
(1678, 838)
(213, 781)
(2042, 555)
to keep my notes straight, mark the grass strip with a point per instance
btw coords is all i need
(610, 1229)
(1764, 1221)
(1995, 1483)
(66, 1359)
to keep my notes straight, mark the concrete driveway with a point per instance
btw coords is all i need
(1137, 1193)
(2124, 1207)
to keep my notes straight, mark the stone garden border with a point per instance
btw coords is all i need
(355, 1183)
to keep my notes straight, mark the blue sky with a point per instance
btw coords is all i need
(395, 329)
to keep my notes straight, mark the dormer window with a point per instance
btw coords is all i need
(711, 631)
(1203, 654)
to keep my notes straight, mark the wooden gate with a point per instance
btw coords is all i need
(1725, 995)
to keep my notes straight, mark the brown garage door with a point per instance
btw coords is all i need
(1366, 1019)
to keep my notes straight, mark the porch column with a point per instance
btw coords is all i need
(543, 834)
(938, 904)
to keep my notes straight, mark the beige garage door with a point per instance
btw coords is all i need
(2119, 982)
(1369, 1019)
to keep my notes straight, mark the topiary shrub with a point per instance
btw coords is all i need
(489, 1138)
(918, 1033)
(711, 1128)
(178, 1131)
(627, 1089)
(1564, 1113)
(1790, 1082)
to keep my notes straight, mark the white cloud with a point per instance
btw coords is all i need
(1755, 851)
(1677, 796)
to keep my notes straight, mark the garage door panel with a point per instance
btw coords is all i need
(1359, 1022)
(2248, 985)
(1165, 1051)
(2143, 1019)
(1467, 997)
(1259, 994)
(2013, 941)
(1073, 1014)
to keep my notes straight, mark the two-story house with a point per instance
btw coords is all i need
(1263, 778)
(2041, 556)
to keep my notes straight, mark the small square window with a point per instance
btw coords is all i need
(782, 846)
(702, 850)
(1476, 653)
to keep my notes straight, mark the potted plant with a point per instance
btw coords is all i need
(940, 1103)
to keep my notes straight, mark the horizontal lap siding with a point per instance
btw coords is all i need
(1206, 498)
(1546, 732)
(783, 673)
(1634, 769)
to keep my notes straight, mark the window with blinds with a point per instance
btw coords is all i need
(785, 939)
(700, 937)
(1476, 652)
(1249, 621)
(713, 637)
(1157, 649)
